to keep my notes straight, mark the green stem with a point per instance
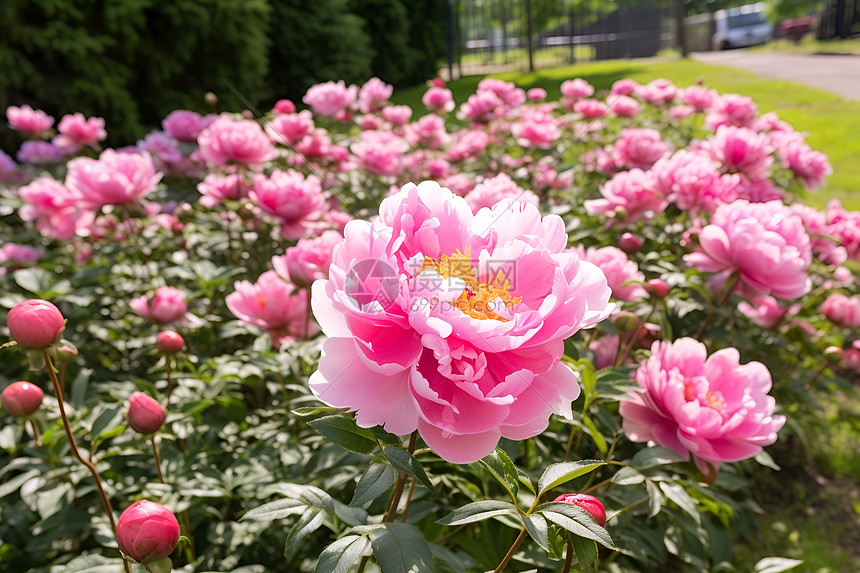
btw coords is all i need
(157, 459)
(36, 435)
(510, 554)
(401, 481)
(169, 382)
(728, 289)
(568, 558)
(59, 395)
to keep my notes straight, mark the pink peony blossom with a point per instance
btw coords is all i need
(482, 107)
(215, 189)
(271, 303)
(20, 255)
(494, 189)
(590, 108)
(732, 109)
(763, 311)
(692, 180)
(812, 167)
(238, 141)
(709, 407)
(743, 150)
(165, 151)
(290, 127)
(842, 310)
(39, 153)
(536, 128)
(147, 531)
(10, 173)
(186, 125)
(295, 200)
(468, 143)
(169, 342)
(429, 131)
(373, 95)
(536, 94)
(624, 106)
(55, 208)
(77, 132)
(624, 87)
(113, 179)
(700, 98)
(764, 242)
(438, 99)
(576, 89)
(845, 227)
(380, 152)
(284, 106)
(28, 120)
(622, 274)
(658, 92)
(164, 306)
(452, 323)
(309, 260)
(397, 115)
(639, 148)
(631, 194)
(330, 98)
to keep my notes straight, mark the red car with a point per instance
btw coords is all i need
(795, 29)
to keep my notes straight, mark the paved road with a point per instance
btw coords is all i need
(838, 74)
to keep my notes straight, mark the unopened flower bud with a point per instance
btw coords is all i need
(285, 106)
(657, 288)
(170, 342)
(833, 354)
(35, 323)
(587, 502)
(20, 399)
(147, 531)
(630, 243)
(66, 352)
(210, 98)
(145, 414)
(627, 322)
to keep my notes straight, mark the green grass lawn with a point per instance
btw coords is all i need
(832, 122)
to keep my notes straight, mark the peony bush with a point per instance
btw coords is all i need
(518, 334)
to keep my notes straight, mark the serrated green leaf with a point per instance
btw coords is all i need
(310, 521)
(375, 481)
(679, 495)
(577, 521)
(341, 555)
(407, 463)
(776, 564)
(585, 550)
(557, 474)
(401, 548)
(342, 431)
(275, 510)
(478, 511)
(655, 456)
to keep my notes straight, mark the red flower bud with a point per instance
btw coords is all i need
(587, 502)
(147, 531)
(170, 342)
(35, 323)
(20, 399)
(145, 414)
(630, 243)
(657, 288)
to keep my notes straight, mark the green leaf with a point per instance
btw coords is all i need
(577, 521)
(628, 476)
(776, 565)
(107, 420)
(478, 511)
(310, 521)
(526, 480)
(375, 481)
(538, 529)
(344, 432)
(353, 516)
(275, 510)
(557, 474)
(679, 495)
(401, 548)
(493, 464)
(598, 438)
(585, 550)
(406, 462)
(341, 555)
(655, 498)
(655, 456)
(16, 482)
(441, 553)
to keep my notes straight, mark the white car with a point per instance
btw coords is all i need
(740, 27)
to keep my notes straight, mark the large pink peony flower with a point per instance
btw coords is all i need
(710, 407)
(494, 189)
(373, 95)
(228, 140)
(77, 132)
(309, 260)
(55, 208)
(842, 310)
(632, 193)
(743, 150)
(164, 306)
(186, 125)
(297, 201)
(330, 99)
(452, 323)
(115, 178)
(28, 120)
(639, 148)
(765, 243)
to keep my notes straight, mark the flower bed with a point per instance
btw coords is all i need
(521, 333)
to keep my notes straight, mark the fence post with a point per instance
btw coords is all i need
(529, 35)
(680, 36)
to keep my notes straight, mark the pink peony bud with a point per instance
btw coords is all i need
(170, 342)
(587, 502)
(626, 322)
(657, 288)
(20, 399)
(630, 243)
(145, 414)
(35, 323)
(147, 531)
(66, 352)
(833, 354)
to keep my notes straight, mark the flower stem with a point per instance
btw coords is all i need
(401, 481)
(59, 395)
(308, 315)
(36, 435)
(169, 383)
(157, 459)
(568, 558)
(640, 328)
(728, 289)
(506, 559)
